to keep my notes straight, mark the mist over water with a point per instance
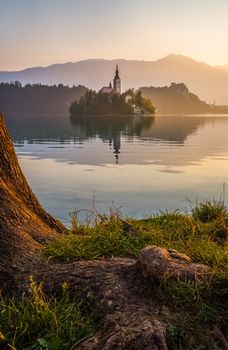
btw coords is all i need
(141, 164)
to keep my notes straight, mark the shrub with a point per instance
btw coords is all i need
(209, 211)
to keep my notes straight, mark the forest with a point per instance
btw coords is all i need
(37, 99)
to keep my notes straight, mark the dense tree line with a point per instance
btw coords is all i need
(103, 103)
(37, 99)
(99, 103)
(177, 99)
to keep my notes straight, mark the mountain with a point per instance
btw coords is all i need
(223, 68)
(209, 83)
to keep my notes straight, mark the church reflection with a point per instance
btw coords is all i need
(115, 144)
(110, 128)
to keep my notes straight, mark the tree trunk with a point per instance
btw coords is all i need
(24, 224)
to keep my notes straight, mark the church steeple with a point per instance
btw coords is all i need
(117, 72)
(117, 81)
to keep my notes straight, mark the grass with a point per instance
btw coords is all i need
(202, 235)
(44, 323)
(57, 324)
(204, 242)
(209, 211)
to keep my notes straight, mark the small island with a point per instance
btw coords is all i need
(110, 101)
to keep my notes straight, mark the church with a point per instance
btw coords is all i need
(116, 88)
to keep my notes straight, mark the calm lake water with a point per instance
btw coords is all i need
(139, 164)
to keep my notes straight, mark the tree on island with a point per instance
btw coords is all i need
(136, 99)
(113, 104)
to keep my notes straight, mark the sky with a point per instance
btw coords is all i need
(43, 32)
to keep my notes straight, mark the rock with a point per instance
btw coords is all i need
(160, 264)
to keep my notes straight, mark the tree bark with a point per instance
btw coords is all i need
(24, 224)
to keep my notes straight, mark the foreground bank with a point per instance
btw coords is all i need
(187, 300)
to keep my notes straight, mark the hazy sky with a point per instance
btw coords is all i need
(42, 32)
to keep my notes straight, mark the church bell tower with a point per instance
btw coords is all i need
(117, 82)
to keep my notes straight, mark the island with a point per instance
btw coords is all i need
(110, 101)
(103, 103)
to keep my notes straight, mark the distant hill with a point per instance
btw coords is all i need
(177, 99)
(209, 83)
(223, 68)
(37, 100)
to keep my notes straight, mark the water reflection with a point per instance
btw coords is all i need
(60, 134)
(174, 129)
(111, 129)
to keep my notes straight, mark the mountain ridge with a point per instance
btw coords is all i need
(167, 57)
(223, 68)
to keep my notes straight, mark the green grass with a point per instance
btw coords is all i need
(44, 323)
(209, 211)
(205, 241)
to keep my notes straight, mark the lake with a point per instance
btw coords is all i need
(141, 165)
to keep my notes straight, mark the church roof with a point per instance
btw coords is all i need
(106, 90)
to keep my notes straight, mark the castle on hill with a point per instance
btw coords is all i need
(116, 88)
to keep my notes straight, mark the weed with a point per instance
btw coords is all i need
(209, 211)
(42, 322)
